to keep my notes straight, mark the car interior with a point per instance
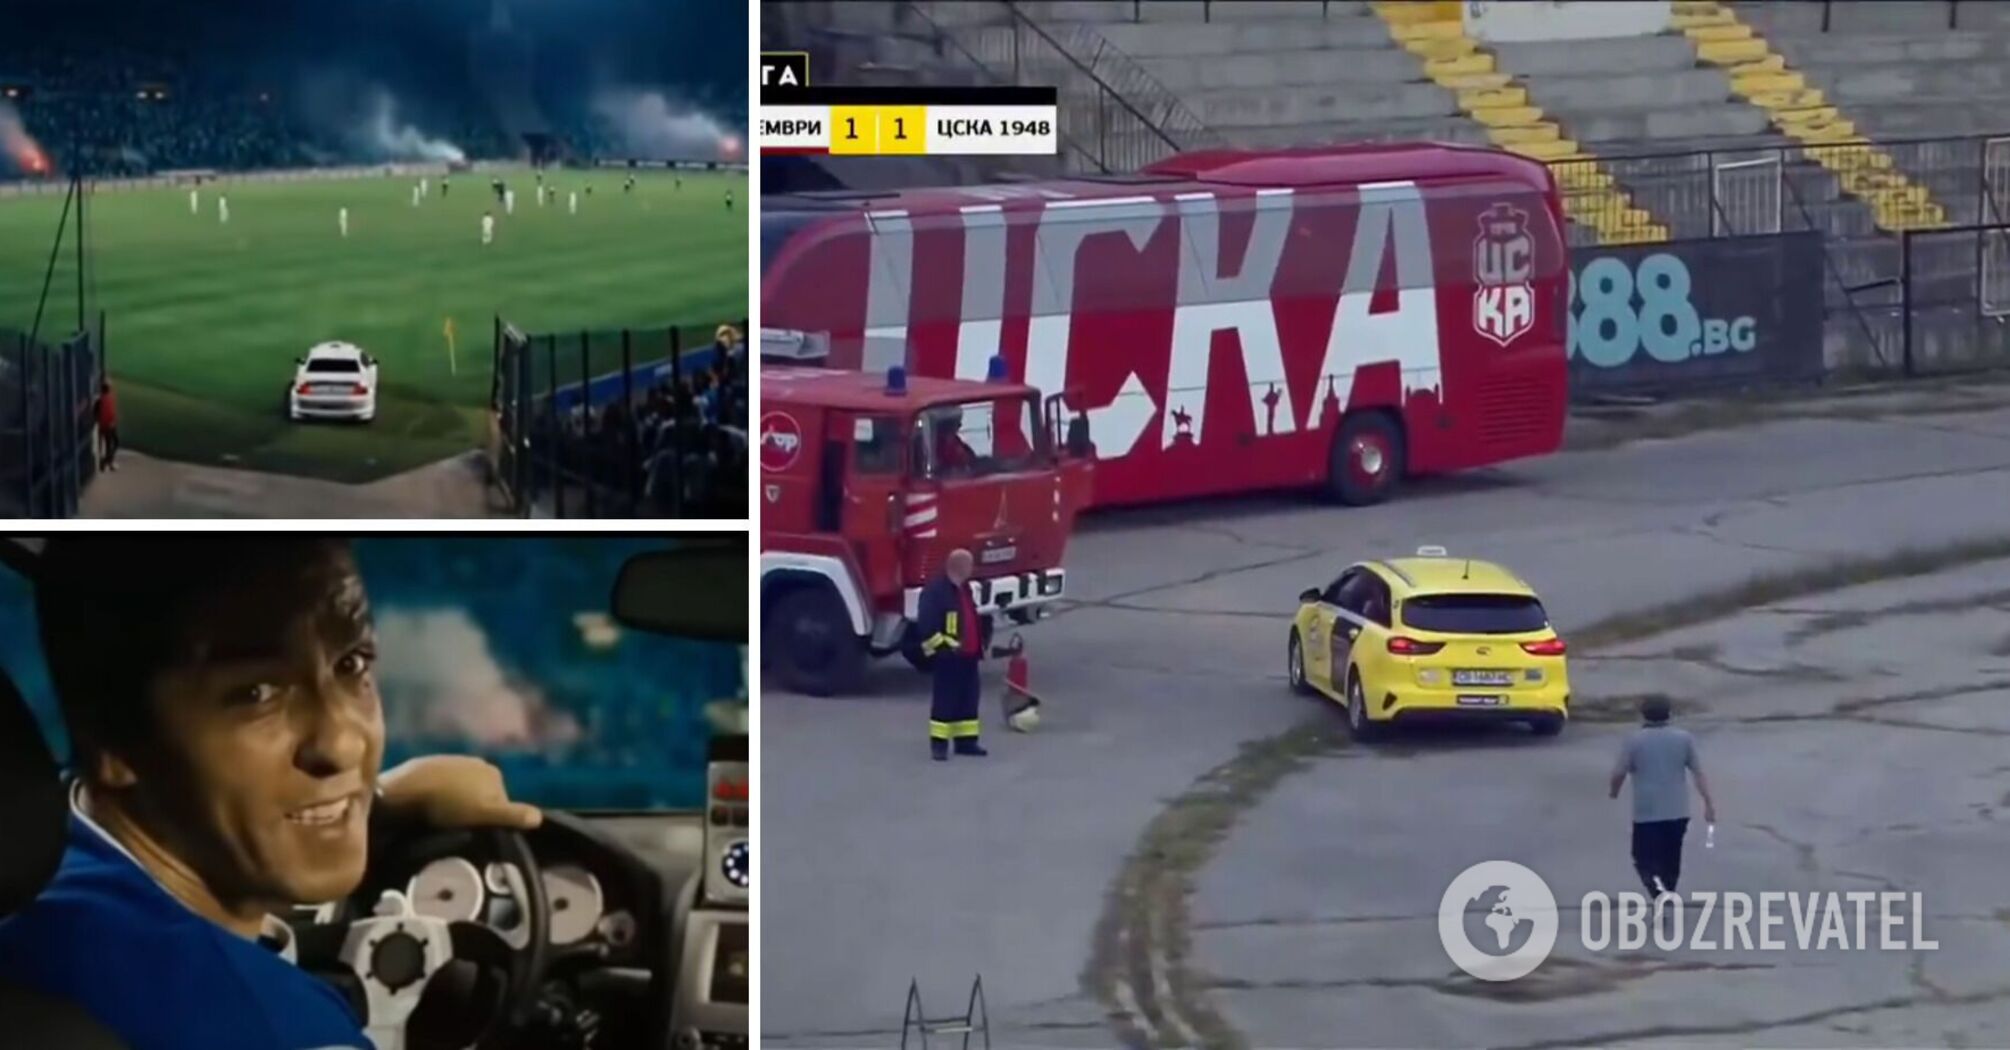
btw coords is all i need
(596, 930)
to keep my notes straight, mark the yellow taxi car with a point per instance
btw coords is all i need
(1430, 637)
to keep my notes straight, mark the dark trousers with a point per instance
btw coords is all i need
(109, 438)
(1657, 852)
(952, 713)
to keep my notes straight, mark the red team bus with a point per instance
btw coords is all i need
(1229, 321)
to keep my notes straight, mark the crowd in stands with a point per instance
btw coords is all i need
(133, 109)
(133, 105)
(680, 450)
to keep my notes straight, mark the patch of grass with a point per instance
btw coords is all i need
(1624, 707)
(1849, 619)
(1146, 912)
(1769, 589)
(1610, 426)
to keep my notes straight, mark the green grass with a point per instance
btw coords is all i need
(204, 320)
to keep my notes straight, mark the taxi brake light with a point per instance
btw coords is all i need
(1402, 646)
(1546, 647)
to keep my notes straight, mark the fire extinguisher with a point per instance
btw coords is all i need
(1022, 708)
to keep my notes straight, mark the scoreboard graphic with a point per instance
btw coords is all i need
(797, 118)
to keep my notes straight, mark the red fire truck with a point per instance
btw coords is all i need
(869, 481)
(1339, 316)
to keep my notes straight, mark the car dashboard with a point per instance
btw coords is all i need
(608, 943)
(638, 956)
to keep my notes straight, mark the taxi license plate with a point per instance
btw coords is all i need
(1482, 701)
(1482, 677)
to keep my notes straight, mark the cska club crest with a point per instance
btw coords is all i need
(1503, 266)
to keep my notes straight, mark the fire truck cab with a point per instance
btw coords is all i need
(869, 481)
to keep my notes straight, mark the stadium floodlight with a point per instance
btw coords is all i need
(76, 197)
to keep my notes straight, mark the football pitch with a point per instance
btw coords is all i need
(204, 319)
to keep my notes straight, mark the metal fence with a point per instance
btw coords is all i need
(1954, 289)
(626, 423)
(1207, 8)
(47, 423)
(1787, 187)
(1783, 187)
(1952, 7)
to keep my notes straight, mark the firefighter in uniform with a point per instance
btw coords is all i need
(951, 635)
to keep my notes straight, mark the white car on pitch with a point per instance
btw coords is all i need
(334, 381)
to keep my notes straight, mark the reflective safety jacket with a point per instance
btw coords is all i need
(948, 620)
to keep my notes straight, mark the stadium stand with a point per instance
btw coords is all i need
(891, 45)
(1863, 120)
(689, 440)
(145, 103)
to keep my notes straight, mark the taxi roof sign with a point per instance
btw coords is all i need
(1432, 551)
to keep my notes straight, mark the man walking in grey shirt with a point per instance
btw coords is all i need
(1660, 759)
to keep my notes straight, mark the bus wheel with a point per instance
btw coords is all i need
(814, 647)
(1366, 460)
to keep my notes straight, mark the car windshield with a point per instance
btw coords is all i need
(1475, 614)
(334, 364)
(977, 439)
(505, 648)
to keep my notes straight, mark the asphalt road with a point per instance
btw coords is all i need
(145, 487)
(883, 867)
(1855, 741)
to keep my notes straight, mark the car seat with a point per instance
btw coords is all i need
(34, 813)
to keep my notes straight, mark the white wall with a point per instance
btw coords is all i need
(1505, 21)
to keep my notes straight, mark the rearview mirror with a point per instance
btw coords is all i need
(1309, 595)
(697, 590)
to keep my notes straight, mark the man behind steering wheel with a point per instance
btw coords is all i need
(227, 737)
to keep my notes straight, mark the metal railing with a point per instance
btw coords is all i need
(946, 42)
(1207, 9)
(1109, 103)
(1743, 190)
(1953, 13)
(607, 424)
(1954, 286)
(1114, 116)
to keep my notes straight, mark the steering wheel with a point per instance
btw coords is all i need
(389, 955)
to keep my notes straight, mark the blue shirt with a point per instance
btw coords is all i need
(107, 937)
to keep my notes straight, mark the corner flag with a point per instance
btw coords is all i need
(449, 330)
